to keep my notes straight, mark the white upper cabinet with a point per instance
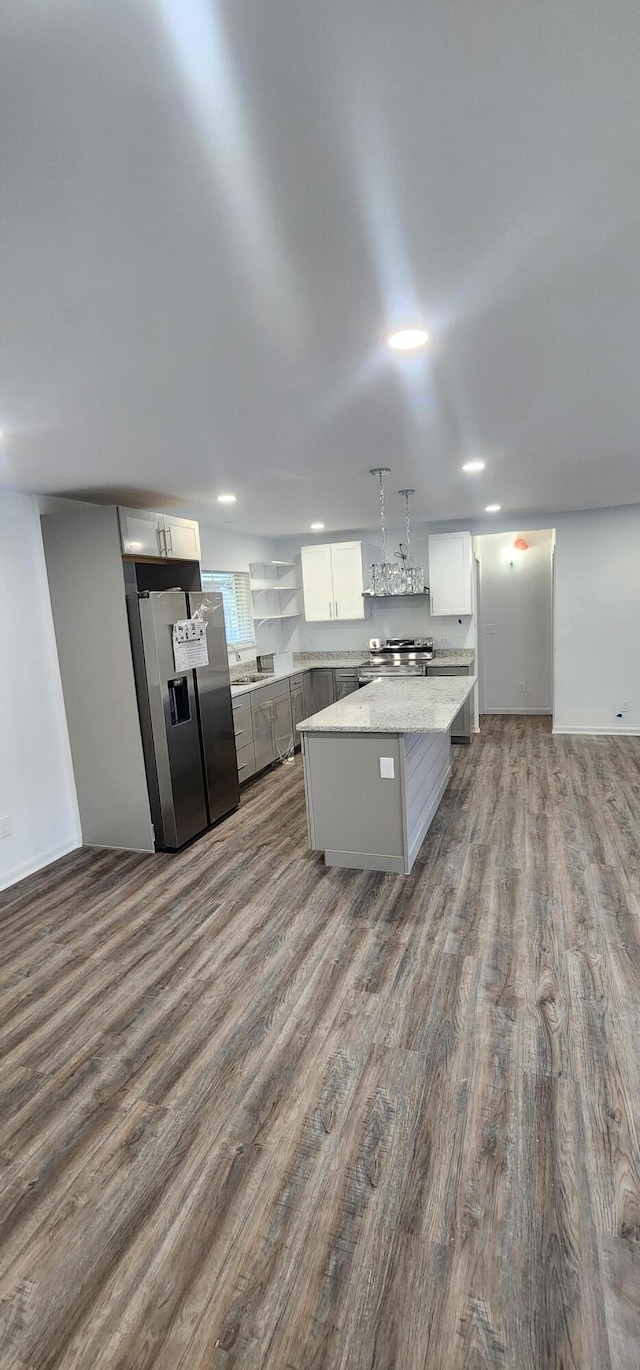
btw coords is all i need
(144, 534)
(348, 580)
(333, 581)
(450, 574)
(317, 583)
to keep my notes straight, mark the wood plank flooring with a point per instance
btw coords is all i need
(257, 1113)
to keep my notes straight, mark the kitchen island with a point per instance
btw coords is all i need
(376, 766)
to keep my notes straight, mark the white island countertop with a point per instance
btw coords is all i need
(395, 706)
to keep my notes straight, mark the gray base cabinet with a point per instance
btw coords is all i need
(297, 704)
(319, 690)
(361, 821)
(346, 682)
(243, 729)
(263, 722)
(461, 726)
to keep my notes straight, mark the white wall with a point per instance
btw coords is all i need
(597, 621)
(37, 791)
(223, 549)
(515, 642)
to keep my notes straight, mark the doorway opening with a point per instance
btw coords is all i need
(514, 601)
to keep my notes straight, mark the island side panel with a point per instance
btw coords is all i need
(354, 815)
(427, 768)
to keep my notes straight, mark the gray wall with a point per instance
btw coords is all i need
(84, 566)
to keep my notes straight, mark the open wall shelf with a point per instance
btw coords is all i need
(275, 591)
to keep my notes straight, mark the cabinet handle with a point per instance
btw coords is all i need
(239, 733)
(336, 604)
(168, 533)
(244, 766)
(330, 610)
(162, 550)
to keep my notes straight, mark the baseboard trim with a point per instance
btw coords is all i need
(578, 730)
(546, 713)
(45, 858)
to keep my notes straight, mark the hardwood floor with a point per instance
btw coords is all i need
(257, 1113)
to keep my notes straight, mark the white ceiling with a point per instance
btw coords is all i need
(212, 213)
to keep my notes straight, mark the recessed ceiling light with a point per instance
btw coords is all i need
(492, 508)
(317, 527)
(226, 499)
(474, 466)
(407, 338)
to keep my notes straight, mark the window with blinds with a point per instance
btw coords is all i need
(235, 588)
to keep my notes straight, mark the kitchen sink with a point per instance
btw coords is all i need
(252, 678)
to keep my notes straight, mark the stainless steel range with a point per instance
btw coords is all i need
(396, 657)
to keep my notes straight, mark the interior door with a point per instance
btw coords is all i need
(174, 720)
(346, 560)
(317, 583)
(216, 710)
(182, 539)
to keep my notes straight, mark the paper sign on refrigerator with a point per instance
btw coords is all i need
(190, 644)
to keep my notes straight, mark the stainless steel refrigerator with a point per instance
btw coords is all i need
(186, 716)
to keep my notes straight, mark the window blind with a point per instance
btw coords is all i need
(235, 588)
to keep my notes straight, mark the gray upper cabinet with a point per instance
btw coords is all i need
(141, 533)
(182, 538)
(145, 534)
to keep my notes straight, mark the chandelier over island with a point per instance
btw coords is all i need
(399, 576)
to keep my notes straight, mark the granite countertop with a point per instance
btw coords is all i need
(395, 706)
(453, 656)
(308, 661)
(309, 664)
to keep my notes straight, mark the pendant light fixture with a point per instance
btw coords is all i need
(413, 575)
(380, 571)
(397, 577)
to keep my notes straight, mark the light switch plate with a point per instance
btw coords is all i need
(387, 768)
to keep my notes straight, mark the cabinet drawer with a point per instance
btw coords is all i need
(243, 727)
(448, 670)
(246, 762)
(296, 680)
(264, 692)
(241, 702)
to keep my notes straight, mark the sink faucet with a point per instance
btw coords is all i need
(238, 656)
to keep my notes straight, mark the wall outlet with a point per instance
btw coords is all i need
(387, 769)
(521, 687)
(490, 628)
(625, 707)
(5, 826)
